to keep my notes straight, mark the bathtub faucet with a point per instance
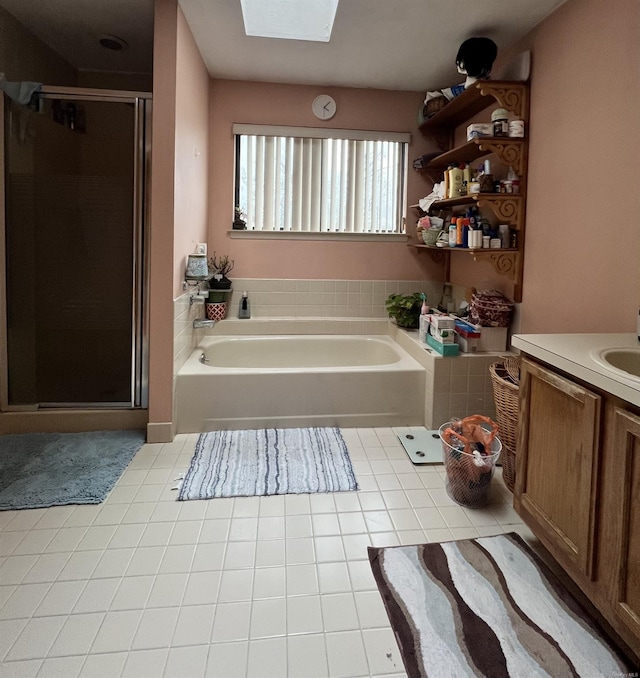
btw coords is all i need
(200, 322)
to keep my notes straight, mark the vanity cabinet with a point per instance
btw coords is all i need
(508, 208)
(578, 488)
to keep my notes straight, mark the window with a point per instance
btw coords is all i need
(320, 180)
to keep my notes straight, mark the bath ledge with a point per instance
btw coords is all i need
(296, 325)
(313, 235)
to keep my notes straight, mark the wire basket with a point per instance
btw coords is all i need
(468, 476)
(505, 377)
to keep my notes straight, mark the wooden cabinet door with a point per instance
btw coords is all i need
(623, 462)
(556, 464)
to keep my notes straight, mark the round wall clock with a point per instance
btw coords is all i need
(324, 107)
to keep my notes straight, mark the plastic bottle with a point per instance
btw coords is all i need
(244, 310)
(455, 182)
(452, 232)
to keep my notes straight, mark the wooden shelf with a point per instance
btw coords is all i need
(503, 260)
(510, 152)
(477, 97)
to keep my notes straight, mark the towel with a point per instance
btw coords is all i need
(21, 92)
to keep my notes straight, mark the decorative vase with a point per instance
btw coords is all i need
(216, 310)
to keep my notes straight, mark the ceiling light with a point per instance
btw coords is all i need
(113, 42)
(290, 19)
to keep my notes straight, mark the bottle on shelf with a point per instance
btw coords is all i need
(453, 232)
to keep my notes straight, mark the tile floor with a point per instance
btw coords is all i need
(275, 587)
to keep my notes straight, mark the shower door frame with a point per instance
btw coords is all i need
(143, 105)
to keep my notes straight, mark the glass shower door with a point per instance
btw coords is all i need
(74, 252)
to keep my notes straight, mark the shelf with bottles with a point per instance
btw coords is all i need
(510, 152)
(477, 97)
(507, 207)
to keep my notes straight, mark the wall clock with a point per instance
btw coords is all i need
(324, 107)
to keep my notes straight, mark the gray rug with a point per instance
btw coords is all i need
(268, 461)
(487, 607)
(52, 469)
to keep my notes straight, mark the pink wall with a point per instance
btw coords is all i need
(191, 151)
(274, 104)
(582, 261)
(179, 190)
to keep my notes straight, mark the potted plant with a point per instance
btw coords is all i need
(404, 309)
(221, 266)
(239, 223)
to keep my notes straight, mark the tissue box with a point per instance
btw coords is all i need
(442, 322)
(443, 336)
(479, 129)
(442, 349)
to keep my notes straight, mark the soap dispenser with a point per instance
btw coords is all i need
(244, 311)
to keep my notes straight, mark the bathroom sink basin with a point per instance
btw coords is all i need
(625, 361)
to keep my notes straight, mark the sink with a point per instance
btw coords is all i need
(624, 361)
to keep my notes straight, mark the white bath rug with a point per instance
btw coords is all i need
(268, 461)
(423, 446)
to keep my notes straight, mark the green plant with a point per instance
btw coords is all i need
(404, 309)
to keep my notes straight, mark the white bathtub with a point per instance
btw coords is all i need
(299, 380)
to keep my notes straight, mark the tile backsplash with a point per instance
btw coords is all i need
(324, 298)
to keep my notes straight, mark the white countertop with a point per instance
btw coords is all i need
(572, 353)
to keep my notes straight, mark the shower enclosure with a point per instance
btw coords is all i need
(74, 255)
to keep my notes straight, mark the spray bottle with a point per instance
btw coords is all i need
(244, 310)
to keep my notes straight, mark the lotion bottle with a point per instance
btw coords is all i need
(244, 310)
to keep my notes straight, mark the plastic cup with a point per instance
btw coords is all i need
(468, 477)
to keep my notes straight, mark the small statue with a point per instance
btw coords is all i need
(239, 224)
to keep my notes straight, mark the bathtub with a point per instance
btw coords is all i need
(298, 380)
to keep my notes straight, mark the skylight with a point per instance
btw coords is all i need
(290, 19)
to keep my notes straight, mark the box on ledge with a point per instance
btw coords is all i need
(442, 349)
(493, 339)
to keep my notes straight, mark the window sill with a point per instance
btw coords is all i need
(309, 235)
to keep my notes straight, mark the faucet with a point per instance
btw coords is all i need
(201, 322)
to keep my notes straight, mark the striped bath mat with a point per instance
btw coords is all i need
(268, 461)
(486, 607)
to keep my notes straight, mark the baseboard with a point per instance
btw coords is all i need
(160, 432)
(72, 421)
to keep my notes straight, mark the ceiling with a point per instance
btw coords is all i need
(388, 44)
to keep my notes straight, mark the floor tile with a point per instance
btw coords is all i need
(156, 628)
(228, 660)
(267, 658)
(268, 618)
(339, 612)
(304, 615)
(307, 657)
(194, 625)
(346, 655)
(187, 662)
(231, 622)
(144, 585)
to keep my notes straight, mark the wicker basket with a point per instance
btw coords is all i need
(505, 375)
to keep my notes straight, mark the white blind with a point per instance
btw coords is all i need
(306, 183)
